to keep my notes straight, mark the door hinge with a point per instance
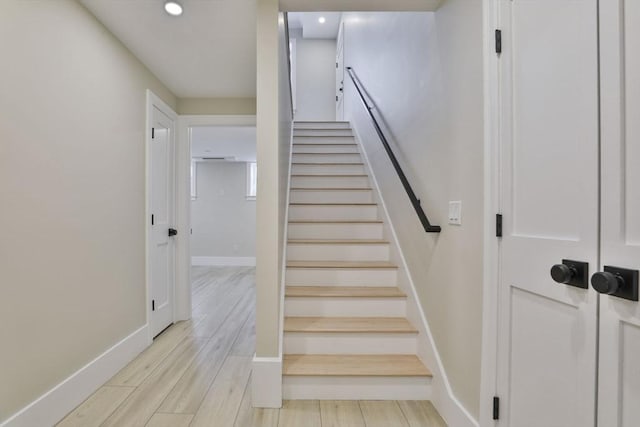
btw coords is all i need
(336, 65)
(153, 305)
(153, 133)
(336, 98)
(496, 408)
(498, 42)
(498, 225)
(152, 219)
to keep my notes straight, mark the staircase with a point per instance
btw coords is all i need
(346, 335)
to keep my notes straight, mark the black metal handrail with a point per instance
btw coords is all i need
(405, 183)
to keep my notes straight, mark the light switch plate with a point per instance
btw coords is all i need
(455, 212)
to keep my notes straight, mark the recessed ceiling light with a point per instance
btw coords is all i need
(173, 8)
(322, 20)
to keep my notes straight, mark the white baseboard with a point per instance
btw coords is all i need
(219, 261)
(52, 406)
(266, 382)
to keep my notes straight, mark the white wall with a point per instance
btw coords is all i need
(223, 221)
(315, 79)
(424, 73)
(72, 194)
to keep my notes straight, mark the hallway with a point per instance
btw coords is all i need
(197, 373)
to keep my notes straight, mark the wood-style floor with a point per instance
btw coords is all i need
(197, 373)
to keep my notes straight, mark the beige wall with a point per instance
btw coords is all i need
(216, 106)
(72, 173)
(273, 128)
(424, 73)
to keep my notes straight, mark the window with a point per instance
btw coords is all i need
(252, 180)
(193, 180)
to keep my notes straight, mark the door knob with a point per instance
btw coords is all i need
(573, 273)
(606, 283)
(563, 273)
(172, 232)
(616, 281)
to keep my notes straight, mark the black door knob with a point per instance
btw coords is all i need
(172, 232)
(606, 283)
(563, 273)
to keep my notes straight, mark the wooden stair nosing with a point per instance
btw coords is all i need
(337, 242)
(336, 221)
(365, 265)
(333, 204)
(368, 325)
(328, 163)
(324, 145)
(331, 189)
(292, 291)
(358, 175)
(405, 365)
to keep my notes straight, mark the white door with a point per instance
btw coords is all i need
(340, 75)
(162, 247)
(619, 373)
(547, 334)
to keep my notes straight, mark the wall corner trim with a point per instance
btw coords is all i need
(266, 382)
(56, 403)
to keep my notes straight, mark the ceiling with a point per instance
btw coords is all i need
(312, 28)
(224, 141)
(209, 51)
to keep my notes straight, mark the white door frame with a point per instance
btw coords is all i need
(183, 200)
(492, 206)
(153, 101)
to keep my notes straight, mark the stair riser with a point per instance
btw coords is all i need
(327, 169)
(345, 307)
(325, 148)
(321, 125)
(329, 182)
(327, 158)
(356, 196)
(323, 140)
(322, 132)
(337, 252)
(356, 388)
(341, 277)
(335, 231)
(316, 343)
(329, 212)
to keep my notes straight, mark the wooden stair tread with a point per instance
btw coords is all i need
(337, 221)
(338, 241)
(338, 176)
(332, 204)
(349, 325)
(322, 136)
(344, 291)
(324, 145)
(379, 365)
(325, 163)
(341, 264)
(332, 189)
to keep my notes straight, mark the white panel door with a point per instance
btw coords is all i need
(619, 373)
(340, 75)
(549, 160)
(162, 247)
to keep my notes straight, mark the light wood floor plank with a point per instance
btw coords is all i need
(138, 408)
(220, 405)
(341, 413)
(188, 393)
(135, 372)
(381, 413)
(421, 413)
(255, 417)
(297, 413)
(93, 411)
(170, 420)
(245, 345)
(224, 305)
